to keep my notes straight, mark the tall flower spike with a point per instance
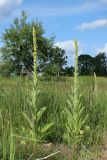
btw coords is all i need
(76, 86)
(34, 55)
(35, 89)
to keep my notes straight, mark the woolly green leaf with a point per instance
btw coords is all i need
(40, 113)
(28, 119)
(46, 127)
(69, 103)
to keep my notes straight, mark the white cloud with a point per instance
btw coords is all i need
(7, 7)
(68, 46)
(92, 25)
(104, 49)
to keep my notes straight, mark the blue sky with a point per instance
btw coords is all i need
(84, 20)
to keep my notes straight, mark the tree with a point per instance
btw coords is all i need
(97, 64)
(100, 64)
(56, 61)
(18, 46)
(69, 71)
(86, 65)
(6, 68)
(52, 70)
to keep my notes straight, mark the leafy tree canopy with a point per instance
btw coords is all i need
(18, 46)
(97, 64)
(85, 64)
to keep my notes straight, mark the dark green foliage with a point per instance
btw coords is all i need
(88, 65)
(100, 64)
(68, 71)
(18, 47)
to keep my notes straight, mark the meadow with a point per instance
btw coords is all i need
(60, 119)
(14, 97)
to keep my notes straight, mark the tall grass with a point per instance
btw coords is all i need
(71, 112)
(14, 93)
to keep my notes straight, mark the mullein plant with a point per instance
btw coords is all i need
(75, 111)
(35, 130)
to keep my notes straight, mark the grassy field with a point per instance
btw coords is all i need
(63, 119)
(53, 95)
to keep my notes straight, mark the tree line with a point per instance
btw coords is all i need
(18, 48)
(88, 65)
